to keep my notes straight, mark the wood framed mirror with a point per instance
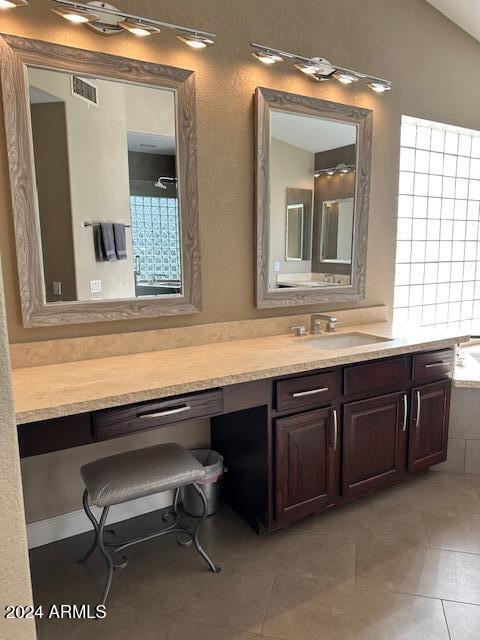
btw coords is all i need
(103, 170)
(311, 248)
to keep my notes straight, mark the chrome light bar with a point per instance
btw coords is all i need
(319, 69)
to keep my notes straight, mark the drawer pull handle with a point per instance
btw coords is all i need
(161, 414)
(437, 364)
(419, 404)
(312, 392)
(405, 410)
(335, 430)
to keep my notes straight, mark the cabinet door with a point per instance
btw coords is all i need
(429, 425)
(306, 448)
(374, 443)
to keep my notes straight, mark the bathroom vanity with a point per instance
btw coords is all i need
(302, 428)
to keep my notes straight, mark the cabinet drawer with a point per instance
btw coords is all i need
(56, 434)
(111, 423)
(380, 375)
(433, 365)
(307, 391)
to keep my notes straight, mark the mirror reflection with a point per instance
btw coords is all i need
(106, 171)
(312, 191)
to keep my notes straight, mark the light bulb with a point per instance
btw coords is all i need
(138, 27)
(195, 41)
(308, 69)
(74, 15)
(267, 57)
(345, 78)
(11, 4)
(379, 87)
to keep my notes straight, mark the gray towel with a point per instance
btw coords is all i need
(120, 242)
(98, 243)
(108, 241)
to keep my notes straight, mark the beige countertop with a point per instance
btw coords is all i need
(55, 390)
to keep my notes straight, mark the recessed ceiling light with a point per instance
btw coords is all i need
(267, 57)
(195, 41)
(138, 27)
(74, 14)
(11, 4)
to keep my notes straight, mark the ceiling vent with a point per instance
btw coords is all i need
(85, 90)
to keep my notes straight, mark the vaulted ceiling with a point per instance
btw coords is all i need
(465, 13)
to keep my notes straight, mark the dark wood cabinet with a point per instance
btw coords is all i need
(300, 443)
(429, 425)
(306, 448)
(374, 443)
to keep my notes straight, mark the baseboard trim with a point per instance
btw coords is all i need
(71, 524)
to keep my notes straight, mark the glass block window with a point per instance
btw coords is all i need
(437, 279)
(156, 237)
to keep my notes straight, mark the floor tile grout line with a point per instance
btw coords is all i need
(446, 621)
(468, 553)
(421, 595)
(268, 603)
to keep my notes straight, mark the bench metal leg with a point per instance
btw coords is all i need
(196, 531)
(93, 520)
(106, 555)
(109, 549)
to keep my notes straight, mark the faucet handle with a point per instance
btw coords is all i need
(300, 330)
(332, 324)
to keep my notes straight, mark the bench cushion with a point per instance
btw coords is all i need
(139, 473)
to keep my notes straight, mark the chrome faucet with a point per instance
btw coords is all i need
(331, 323)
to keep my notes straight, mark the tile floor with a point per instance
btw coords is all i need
(403, 564)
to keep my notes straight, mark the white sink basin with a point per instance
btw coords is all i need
(344, 340)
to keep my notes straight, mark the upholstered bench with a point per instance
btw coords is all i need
(135, 474)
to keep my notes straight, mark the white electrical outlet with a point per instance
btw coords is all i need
(57, 288)
(276, 266)
(95, 286)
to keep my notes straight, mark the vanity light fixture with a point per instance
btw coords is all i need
(11, 4)
(106, 19)
(330, 171)
(319, 69)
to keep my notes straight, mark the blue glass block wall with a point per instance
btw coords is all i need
(156, 237)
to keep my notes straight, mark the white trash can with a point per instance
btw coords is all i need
(210, 484)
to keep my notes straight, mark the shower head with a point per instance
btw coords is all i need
(160, 182)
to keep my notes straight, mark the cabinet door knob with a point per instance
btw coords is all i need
(405, 410)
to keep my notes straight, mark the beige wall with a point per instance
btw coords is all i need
(15, 585)
(291, 167)
(428, 59)
(49, 128)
